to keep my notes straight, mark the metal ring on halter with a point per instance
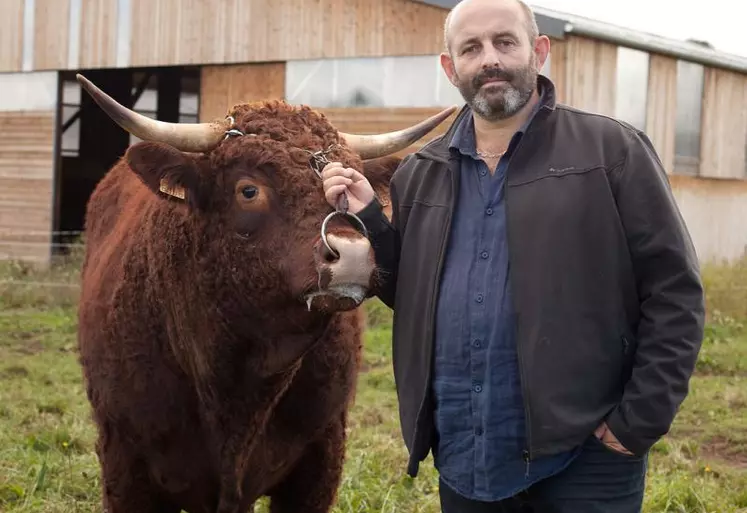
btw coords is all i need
(232, 131)
(338, 213)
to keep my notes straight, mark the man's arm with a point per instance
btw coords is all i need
(672, 310)
(385, 239)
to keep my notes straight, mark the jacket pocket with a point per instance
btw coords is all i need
(600, 445)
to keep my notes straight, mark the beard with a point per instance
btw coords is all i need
(499, 100)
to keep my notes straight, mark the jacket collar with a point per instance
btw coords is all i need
(438, 148)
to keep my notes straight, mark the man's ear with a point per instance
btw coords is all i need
(447, 64)
(379, 173)
(166, 171)
(541, 51)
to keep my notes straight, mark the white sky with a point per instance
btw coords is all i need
(723, 23)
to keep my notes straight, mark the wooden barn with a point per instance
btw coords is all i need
(369, 65)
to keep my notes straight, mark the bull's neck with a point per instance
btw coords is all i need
(272, 340)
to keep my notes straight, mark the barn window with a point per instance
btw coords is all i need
(390, 82)
(362, 82)
(632, 86)
(688, 118)
(70, 110)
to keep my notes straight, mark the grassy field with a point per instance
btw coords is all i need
(47, 462)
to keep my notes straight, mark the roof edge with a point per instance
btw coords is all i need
(558, 25)
(639, 40)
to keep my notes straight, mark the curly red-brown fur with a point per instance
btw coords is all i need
(211, 383)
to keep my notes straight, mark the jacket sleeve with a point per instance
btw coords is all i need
(385, 239)
(672, 310)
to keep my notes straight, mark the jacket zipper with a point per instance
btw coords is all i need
(527, 452)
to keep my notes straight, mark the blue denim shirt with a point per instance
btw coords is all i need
(479, 413)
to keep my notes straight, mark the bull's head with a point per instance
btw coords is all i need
(246, 185)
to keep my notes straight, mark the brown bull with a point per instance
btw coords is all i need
(218, 333)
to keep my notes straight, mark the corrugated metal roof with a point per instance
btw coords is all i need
(559, 24)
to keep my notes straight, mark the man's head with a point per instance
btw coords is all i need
(493, 55)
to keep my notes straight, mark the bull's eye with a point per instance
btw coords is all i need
(251, 196)
(249, 192)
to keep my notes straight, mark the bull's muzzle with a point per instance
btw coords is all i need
(345, 264)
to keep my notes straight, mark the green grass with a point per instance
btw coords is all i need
(47, 463)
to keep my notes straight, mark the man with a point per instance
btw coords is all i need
(548, 303)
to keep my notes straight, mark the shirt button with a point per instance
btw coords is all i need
(489, 211)
(484, 254)
(478, 343)
(477, 388)
(479, 298)
(483, 172)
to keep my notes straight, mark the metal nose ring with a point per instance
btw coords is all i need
(326, 222)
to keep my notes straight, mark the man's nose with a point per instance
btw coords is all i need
(490, 57)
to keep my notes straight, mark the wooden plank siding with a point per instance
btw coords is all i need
(724, 125)
(11, 35)
(661, 109)
(98, 34)
(714, 211)
(51, 34)
(26, 184)
(168, 32)
(584, 71)
(222, 87)
(184, 32)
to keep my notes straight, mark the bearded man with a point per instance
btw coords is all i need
(548, 306)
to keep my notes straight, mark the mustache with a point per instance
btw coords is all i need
(492, 74)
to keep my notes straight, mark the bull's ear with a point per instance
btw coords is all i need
(379, 173)
(167, 171)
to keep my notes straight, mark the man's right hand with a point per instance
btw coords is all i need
(337, 180)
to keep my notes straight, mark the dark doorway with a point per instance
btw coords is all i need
(91, 143)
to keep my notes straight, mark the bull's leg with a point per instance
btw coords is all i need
(312, 485)
(125, 483)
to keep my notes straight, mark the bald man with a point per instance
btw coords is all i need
(547, 296)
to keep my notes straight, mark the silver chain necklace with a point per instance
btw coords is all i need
(487, 155)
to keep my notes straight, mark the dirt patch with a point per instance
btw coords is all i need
(29, 347)
(53, 409)
(720, 372)
(14, 371)
(725, 451)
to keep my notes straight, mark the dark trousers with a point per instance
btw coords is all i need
(599, 480)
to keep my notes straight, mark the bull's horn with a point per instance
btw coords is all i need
(380, 145)
(188, 137)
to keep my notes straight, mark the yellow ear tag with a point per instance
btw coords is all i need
(177, 192)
